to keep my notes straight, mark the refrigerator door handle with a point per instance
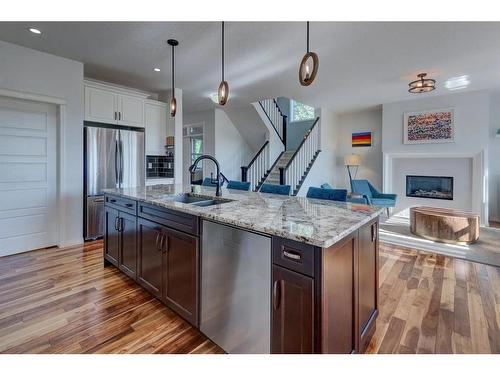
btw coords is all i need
(116, 163)
(121, 163)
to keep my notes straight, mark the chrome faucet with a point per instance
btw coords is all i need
(192, 168)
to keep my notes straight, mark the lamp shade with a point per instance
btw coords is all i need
(352, 160)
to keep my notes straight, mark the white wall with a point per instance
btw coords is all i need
(208, 120)
(494, 158)
(249, 124)
(323, 169)
(231, 149)
(472, 128)
(371, 157)
(29, 71)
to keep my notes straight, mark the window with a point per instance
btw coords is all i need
(301, 111)
(196, 150)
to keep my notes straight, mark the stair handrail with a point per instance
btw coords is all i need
(257, 168)
(257, 155)
(306, 136)
(281, 135)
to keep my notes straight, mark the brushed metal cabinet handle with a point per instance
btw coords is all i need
(277, 294)
(374, 232)
(119, 115)
(129, 204)
(116, 223)
(121, 224)
(115, 115)
(162, 243)
(157, 239)
(291, 255)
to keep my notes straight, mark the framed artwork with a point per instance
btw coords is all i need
(433, 126)
(362, 139)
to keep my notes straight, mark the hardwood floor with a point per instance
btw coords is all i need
(65, 301)
(435, 304)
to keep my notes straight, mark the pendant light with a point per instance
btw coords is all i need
(173, 101)
(422, 84)
(307, 74)
(223, 92)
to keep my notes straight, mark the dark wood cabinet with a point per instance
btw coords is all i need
(111, 236)
(338, 332)
(128, 244)
(151, 241)
(367, 282)
(292, 312)
(181, 273)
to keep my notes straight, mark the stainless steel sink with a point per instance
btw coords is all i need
(197, 200)
(211, 202)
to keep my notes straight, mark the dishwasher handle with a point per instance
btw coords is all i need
(277, 294)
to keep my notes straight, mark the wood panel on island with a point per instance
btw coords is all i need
(324, 300)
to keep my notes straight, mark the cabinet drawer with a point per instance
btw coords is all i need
(170, 218)
(122, 204)
(294, 255)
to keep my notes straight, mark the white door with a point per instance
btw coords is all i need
(155, 121)
(28, 176)
(101, 105)
(130, 111)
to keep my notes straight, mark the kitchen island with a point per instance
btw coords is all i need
(256, 273)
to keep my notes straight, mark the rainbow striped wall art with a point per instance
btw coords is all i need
(362, 139)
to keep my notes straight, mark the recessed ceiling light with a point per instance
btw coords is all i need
(457, 83)
(34, 31)
(157, 69)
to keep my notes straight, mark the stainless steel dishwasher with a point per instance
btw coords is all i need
(236, 288)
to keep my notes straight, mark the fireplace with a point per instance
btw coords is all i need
(430, 187)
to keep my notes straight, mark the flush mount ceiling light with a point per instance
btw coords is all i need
(157, 69)
(309, 64)
(34, 30)
(457, 83)
(422, 84)
(223, 92)
(173, 102)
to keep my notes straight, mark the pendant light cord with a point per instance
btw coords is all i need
(173, 71)
(307, 36)
(223, 50)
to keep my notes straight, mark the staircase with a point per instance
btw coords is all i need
(291, 167)
(273, 176)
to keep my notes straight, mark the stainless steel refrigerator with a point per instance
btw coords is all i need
(114, 158)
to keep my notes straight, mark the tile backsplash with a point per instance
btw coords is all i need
(159, 166)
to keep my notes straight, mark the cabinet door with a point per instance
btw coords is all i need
(100, 105)
(128, 244)
(130, 111)
(150, 256)
(111, 236)
(367, 282)
(292, 312)
(181, 275)
(155, 121)
(338, 295)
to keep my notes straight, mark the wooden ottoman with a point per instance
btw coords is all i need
(444, 224)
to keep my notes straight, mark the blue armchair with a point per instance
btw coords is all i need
(372, 195)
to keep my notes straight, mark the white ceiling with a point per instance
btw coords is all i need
(362, 64)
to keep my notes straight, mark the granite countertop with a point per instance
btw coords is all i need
(317, 222)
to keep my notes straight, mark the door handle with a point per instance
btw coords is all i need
(157, 240)
(116, 223)
(121, 163)
(162, 242)
(116, 163)
(115, 115)
(119, 115)
(277, 294)
(121, 225)
(129, 204)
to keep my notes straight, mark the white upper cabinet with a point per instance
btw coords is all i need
(100, 105)
(113, 105)
(130, 111)
(155, 115)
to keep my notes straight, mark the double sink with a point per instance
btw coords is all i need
(197, 200)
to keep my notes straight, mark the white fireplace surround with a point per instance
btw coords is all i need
(479, 183)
